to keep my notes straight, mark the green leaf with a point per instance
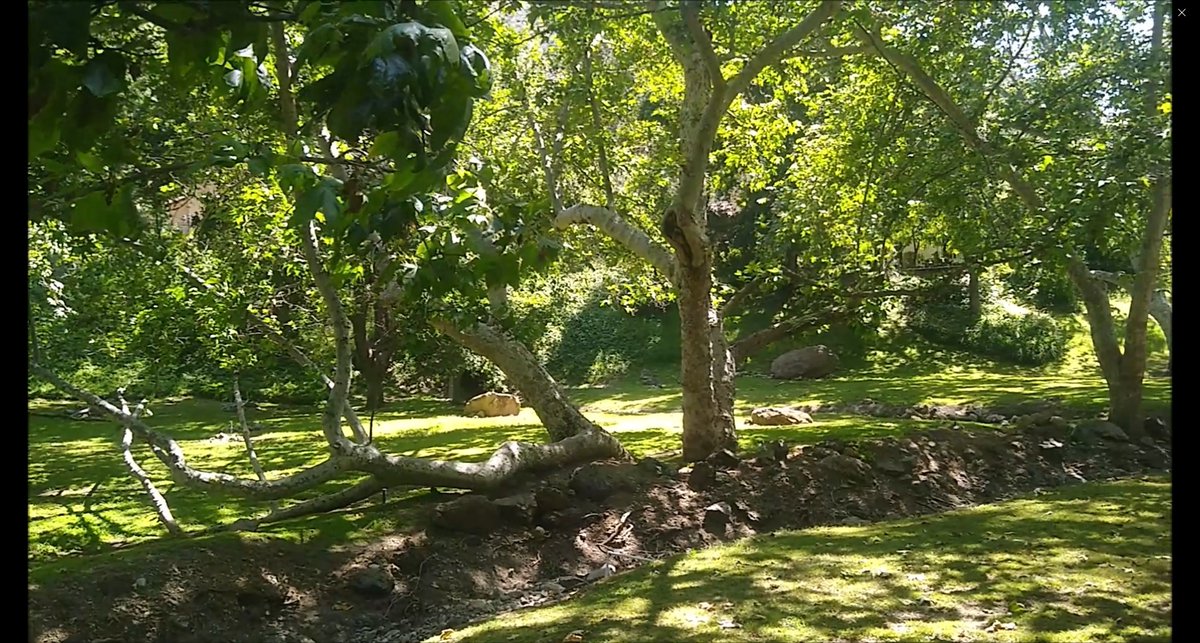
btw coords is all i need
(448, 17)
(321, 198)
(105, 74)
(93, 213)
(448, 120)
(386, 144)
(388, 40)
(67, 24)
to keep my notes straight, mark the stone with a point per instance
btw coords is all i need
(599, 480)
(551, 499)
(854, 521)
(846, 467)
(773, 451)
(372, 581)
(810, 362)
(702, 476)
(1157, 428)
(471, 513)
(771, 416)
(653, 467)
(492, 404)
(716, 517)
(723, 459)
(1101, 430)
(518, 508)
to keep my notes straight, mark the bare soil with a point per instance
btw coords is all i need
(279, 592)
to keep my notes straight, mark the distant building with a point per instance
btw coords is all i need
(186, 211)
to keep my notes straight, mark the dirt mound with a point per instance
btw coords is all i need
(409, 586)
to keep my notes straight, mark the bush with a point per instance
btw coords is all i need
(606, 367)
(1033, 339)
(1043, 288)
(572, 326)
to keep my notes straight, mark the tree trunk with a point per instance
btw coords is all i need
(1160, 310)
(974, 296)
(541, 392)
(703, 433)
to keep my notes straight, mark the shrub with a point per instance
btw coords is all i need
(606, 367)
(1032, 339)
(572, 326)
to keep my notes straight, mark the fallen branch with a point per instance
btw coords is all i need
(161, 508)
(249, 441)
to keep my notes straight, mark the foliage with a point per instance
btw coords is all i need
(573, 325)
(1032, 339)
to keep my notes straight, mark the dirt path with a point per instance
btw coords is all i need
(558, 534)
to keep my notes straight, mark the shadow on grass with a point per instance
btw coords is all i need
(68, 458)
(1090, 562)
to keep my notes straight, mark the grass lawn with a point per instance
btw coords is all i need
(1085, 563)
(83, 502)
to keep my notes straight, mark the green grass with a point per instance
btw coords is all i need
(82, 502)
(1085, 563)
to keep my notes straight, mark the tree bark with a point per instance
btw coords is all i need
(974, 296)
(541, 392)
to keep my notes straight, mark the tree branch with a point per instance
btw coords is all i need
(634, 240)
(703, 42)
(774, 52)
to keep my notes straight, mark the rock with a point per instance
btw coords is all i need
(550, 499)
(723, 459)
(492, 404)
(1157, 428)
(471, 513)
(702, 477)
(1154, 458)
(603, 571)
(770, 416)
(599, 480)
(372, 581)
(1033, 419)
(994, 418)
(716, 517)
(805, 363)
(1101, 430)
(653, 467)
(855, 521)
(518, 508)
(846, 467)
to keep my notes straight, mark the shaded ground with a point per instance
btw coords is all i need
(248, 589)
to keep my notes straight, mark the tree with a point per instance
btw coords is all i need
(379, 93)
(707, 368)
(1142, 148)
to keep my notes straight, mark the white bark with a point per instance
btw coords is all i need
(611, 224)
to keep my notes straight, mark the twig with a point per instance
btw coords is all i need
(620, 525)
(241, 413)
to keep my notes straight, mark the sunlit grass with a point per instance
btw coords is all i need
(1086, 563)
(82, 501)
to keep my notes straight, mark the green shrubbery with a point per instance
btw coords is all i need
(569, 322)
(1033, 339)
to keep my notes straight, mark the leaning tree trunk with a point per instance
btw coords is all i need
(541, 392)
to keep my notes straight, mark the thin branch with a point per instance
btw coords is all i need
(774, 52)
